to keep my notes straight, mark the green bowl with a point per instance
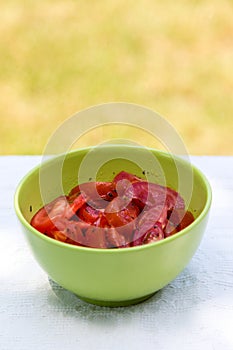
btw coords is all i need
(113, 277)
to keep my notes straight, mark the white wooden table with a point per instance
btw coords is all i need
(193, 312)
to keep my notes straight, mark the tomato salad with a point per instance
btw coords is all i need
(126, 212)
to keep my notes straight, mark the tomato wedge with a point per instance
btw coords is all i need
(123, 175)
(95, 237)
(94, 191)
(150, 221)
(187, 219)
(41, 221)
(153, 235)
(88, 214)
(115, 239)
(117, 214)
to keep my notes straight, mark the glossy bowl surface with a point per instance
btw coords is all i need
(112, 277)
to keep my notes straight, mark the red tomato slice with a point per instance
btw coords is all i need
(123, 175)
(124, 219)
(186, 220)
(94, 191)
(95, 237)
(151, 194)
(174, 200)
(62, 207)
(59, 236)
(88, 214)
(41, 221)
(119, 215)
(170, 229)
(178, 220)
(147, 193)
(114, 239)
(106, 190)
(174, 218)
(101, 221)
(44, 219)
(149, 221)
(74, 233)
(152, 216)
(47, 217)
(69, 231)
(77, 204)
(153, 235)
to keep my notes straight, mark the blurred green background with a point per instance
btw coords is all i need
(57, 57)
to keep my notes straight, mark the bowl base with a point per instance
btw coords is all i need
(120, 303)
(61, 293)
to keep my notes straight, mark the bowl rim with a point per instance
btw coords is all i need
(178, 235)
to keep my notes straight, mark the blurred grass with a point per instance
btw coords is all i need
(57, 57)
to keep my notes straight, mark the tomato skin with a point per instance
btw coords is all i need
(75, 234)
(177, 221)
(106, 190)
(114, 239)
(117, 214)
(77, 203)
(94, 191)
(173, 220)
(152, 216)
(123, 175)
(44, 219)
(69, 231)
(88, 214)
(95, 237)
(122, 217)
(149, 194)
(75, 192)
(59, 236)
(174, 200)
(170, 229)
(150, 225)
(101, 221)
(153, 235)
(47, 217)
(187, 219)
(41, 221)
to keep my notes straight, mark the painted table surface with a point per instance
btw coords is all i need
(195, 311)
